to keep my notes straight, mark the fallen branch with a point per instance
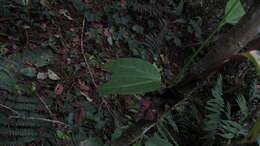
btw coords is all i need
(83, 52)
(39, 119)
(10, 109)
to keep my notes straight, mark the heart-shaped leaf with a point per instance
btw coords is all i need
(131, 76)
(234, 11)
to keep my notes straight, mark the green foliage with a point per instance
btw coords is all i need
(254, 92)
(156, 141)
(37, 56)
(13, 67)
(131, 76)
(242, 103)
(61, 135)
(234, 11)
(118, 131)
(215, 124)
(22, 130)
(28, 71)
(215, 107)
(12, 72)
(254, 56)
(92, 141)
(3, 50)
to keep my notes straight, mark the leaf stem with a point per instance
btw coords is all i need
(221, 23)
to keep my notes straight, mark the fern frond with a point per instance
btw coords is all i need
(16, 142)
(166, 134)
(151, 10)
(254, 92)
(229, 129)
(29, 107)
(161, 132)
(22, 99)
(228, 111)
(215, 107)
(17, 132)
(242, 103)
(21, 131)
(153, 44)
(173, 124)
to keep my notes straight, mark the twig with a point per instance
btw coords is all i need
(82, 51)
(6, 107)
(39, 119)
(46, 106)
(198, 43)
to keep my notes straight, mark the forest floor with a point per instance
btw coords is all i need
(59, 47)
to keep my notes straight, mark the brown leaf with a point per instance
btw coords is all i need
(86, 96)
(144, 108)
(59, 89)
(83, 86)
(45, 3)
(80, 115)
(145, 104)
(76, 105)
(123, 4)
(151, 114)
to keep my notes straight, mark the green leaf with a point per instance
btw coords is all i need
(138, 28)
(118, 131)
(255, 131)
(254, 56)
(234, 11)
(39, 57)
(61, 135)
(92, 141)
(28, 71)
(157, 141)
(137, 144)
(131, 76)
(8, 81)
(12, 67)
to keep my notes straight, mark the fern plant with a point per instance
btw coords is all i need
(215, 107)
(220, 122)
(220, 125)
(21, 108)
(15, 128)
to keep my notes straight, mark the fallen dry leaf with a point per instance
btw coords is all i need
(59, 89)
(52, 75)
(83, 86)
(80, 115)
(86, 96)
(42, 76)
(45, 3)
